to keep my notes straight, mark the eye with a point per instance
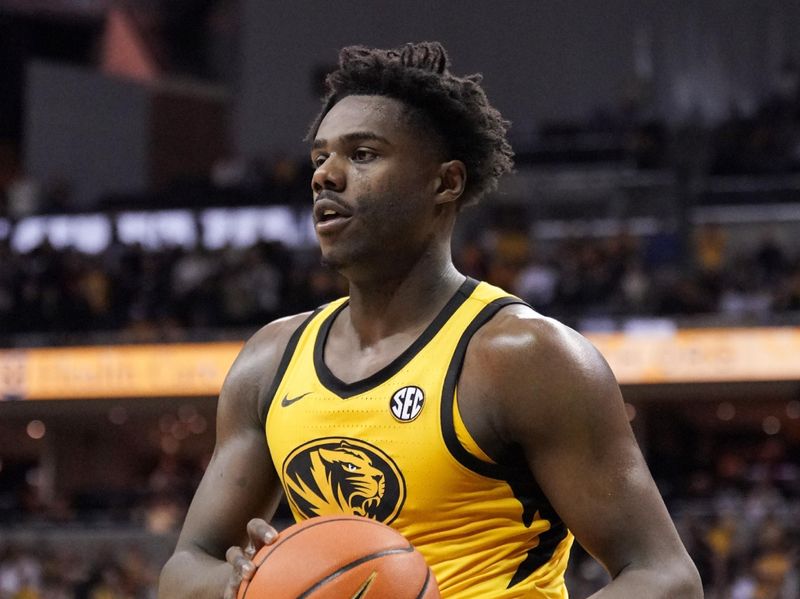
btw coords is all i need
(349, 467)
(364, 155)
(318, 160)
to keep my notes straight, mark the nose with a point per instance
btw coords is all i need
(329, 175)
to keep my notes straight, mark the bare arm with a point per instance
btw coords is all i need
(554, 396)
(240, 482)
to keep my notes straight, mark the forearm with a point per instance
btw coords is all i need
(193, 575)
(663, 581)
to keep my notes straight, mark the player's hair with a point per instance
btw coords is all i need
(469, 128)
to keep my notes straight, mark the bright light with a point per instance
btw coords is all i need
(155, 230)
(36, 429)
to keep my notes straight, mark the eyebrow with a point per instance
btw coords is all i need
(352, 137)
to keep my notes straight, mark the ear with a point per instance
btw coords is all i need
(452, 181)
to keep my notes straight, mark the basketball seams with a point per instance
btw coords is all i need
(384, 549)
(354, 564)
(281, 541)
(309, 525)
(425, 584)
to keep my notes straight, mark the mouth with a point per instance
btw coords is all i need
(367, 506)
(330, 215)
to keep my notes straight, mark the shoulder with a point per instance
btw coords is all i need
(517, 336)
(262, 352)
(534, 368)
(252, 373)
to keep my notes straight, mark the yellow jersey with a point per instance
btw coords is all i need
(393, 447)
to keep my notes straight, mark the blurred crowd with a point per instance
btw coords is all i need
(150, 295)
(95, 544)
(737, 510)
(586, 281)
(120, 560)
(762, 139)
(31, 571)
(739, 516)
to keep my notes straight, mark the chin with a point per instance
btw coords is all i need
(332, 259)
(332, 264)
(349, 263)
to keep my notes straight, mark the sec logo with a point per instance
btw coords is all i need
(407, 403)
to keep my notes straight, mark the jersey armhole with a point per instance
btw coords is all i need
(465, 438)
(286, 358)
(462, 447)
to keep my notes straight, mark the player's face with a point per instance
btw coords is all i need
(373, 187)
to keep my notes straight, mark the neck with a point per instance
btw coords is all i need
(402, 301)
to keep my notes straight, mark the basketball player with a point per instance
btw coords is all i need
(486, 433)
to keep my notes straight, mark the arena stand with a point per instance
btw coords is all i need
(103, 481)
(675, 249)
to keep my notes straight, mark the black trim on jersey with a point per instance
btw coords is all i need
(284, 364)
(347, 390)
(449, 392)
(533, 499)
(511, 466)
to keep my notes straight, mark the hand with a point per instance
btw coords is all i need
(259, 533)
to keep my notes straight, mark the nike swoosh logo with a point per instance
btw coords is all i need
(286, 401)
(362, 592)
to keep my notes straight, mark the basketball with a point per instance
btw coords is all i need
(340, 557)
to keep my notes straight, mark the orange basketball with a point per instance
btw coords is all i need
(340, 557)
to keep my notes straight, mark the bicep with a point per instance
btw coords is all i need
(566, 411)
(590, 467)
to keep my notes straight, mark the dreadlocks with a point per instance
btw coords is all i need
(468, 127)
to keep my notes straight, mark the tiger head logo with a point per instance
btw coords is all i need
(354, 480)
(343, 476)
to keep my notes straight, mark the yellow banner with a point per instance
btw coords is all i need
(183, 370)
(168, 370)
(703, 355)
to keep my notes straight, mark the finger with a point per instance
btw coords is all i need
(232, 553)
(250, 551)
(232, 588)
(242, 566)
(260, 533)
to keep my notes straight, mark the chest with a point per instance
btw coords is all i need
(378, 433)
(364, 454)
(349, 361)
